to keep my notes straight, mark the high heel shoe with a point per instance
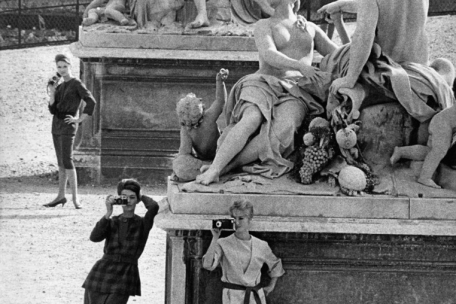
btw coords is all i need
(56, 203)
(77, 205)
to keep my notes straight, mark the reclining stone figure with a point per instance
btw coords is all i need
(265, 109)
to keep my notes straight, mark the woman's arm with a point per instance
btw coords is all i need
(51, 102)
(152, 210)
(88, 98)
(268, 289)
(208, 258)
(102, 228)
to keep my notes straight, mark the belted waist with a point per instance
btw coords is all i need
(248, 290)
(63, 115)
(120, 258)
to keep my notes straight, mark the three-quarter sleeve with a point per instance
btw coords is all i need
(52, 108)
(87, 96)
(152, 210)
(101, 230)
(218, 254)
(274, 263)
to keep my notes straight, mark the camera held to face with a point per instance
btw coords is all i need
(120, 201)
(225, 224)
(54, 79)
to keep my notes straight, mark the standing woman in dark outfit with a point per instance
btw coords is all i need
(65, 99)
(115, 277)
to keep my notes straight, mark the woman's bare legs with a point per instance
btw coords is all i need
(73, 179)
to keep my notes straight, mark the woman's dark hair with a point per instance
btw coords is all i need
(129, 184)
(243, 205)
(62, 57)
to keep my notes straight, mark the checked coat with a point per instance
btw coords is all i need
(117, 272)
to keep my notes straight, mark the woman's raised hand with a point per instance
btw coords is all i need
(216, 232)
(109, 208)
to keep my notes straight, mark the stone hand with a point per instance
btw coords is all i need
(332, 18)
(308, 71)
(335, 7)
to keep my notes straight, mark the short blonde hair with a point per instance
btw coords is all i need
(242, 205)
(190, 109)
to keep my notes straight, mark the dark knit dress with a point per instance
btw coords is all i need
(125, 238)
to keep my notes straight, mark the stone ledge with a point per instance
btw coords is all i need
(320, 206)
(291, 205)
(167, 220)
(169, 42)
(81, 51)
(431, 209)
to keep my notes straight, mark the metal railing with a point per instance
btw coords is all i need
(436, 8)
(26, 23)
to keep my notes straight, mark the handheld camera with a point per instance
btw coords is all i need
(225, 224)
(120, 201)
(54, 79)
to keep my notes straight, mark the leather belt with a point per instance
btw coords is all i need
(248, 290)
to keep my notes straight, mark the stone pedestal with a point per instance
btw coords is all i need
(137, 80)
(334, 249)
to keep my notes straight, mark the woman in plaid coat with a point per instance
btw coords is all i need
(115, 277)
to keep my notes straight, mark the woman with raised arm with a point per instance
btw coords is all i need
(241, 257)
(64, 102)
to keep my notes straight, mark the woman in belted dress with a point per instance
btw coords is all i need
(241, 257)
(115, 277)
(64, 102)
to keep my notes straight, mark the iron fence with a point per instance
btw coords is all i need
(309, 9)
(26, 23)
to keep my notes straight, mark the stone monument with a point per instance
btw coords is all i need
(393, 241)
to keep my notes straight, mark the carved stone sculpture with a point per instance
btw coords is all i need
(151, 14)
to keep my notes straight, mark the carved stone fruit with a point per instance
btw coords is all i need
(309, 139)
(319, 122)
(352, 178)
(346, 138)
